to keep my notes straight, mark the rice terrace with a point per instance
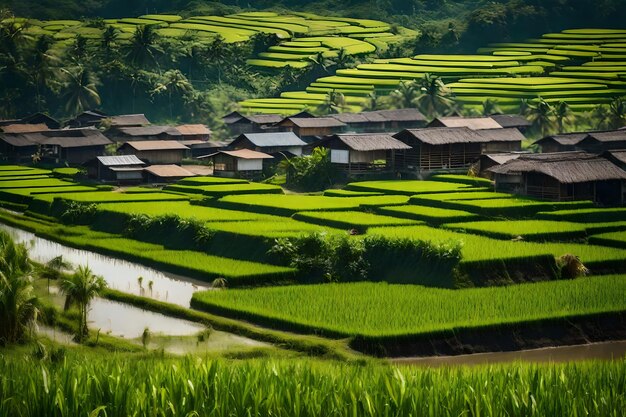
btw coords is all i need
(312, 208)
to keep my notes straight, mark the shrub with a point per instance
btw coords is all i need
(310, 173)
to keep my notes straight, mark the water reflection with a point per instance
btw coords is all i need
(119, 274)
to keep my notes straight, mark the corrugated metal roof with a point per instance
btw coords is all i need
(509, 134)
(166, 171)
(119, 160)
(367, 142)
(443, 135)
(155, 145)
(271, 139)
(241, 153)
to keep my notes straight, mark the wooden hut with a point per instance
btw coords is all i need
(128, 120)
(512, 120)
(200, 147)
(474, 123)
(270, 143)
(599, 142)
(17, 148)
(19, 128)
(440, 148)
(618, 157)
(565, 142)
(144, 133)
(364, 153)
(238, 123)
(86, 119)
(241, 163)
(41, 118)
(563, 176)
(120, 169)
(309, 129)
(194, 132)
(166, 173)
(488, 161)
(73, 146)
(160, 152)
(501, 140)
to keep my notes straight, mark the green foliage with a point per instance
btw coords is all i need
(18, 304)
(381, 309)
(310, 173)
(341, 258)
(409, 187)
(511, 389)
(536, 230)
(80, 288)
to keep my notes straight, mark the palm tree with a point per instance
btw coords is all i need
(174, 84)
(80, 90)
(524, 107)
(143, 50)
(540, 115)
(42, 67)
(320, 60)
(600, 117)
(53, 269)
(18, 305)
(80, 289)
(343, 59)
(107, 41)
(617, 113)
(335, 102)
(491, 107)
(405, 95)
(562, 115)
(434, 98)
(371, 102)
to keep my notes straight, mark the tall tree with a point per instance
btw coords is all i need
(562, 115)
(617, 113)
(176, 87)
(434, 97)
(18, 304)
(79, 90)
(53, 269)
(80, 289)
(540, 115)
(405, 94)
(334, 102)
(143, 49)
(491, 107)
(43, 67)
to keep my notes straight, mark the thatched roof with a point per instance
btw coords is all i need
(155, 145)
(441, 135)
(618, 155)
(606, 137)
(474, 123)
(308, 122)
(263, 140)
(120, 160)
(501, 158)
(242, 154)
(88, 138)
(510, 134)
(565, 139)
(565, 167)
(511, 120)
(193, 130)
(400, 115)
(368, 142)
(264, 119)
(147, 131)
(129, 120)
(168, 171)
(25, 128)
(17, 141)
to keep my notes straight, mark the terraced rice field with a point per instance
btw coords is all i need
(383, 310)
(574, 66)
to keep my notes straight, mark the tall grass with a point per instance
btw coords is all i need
(526, 229)
(380, 309)
(120, 386)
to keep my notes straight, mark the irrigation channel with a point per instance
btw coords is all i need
(123, 320)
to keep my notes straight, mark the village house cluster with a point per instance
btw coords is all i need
(396, 143)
